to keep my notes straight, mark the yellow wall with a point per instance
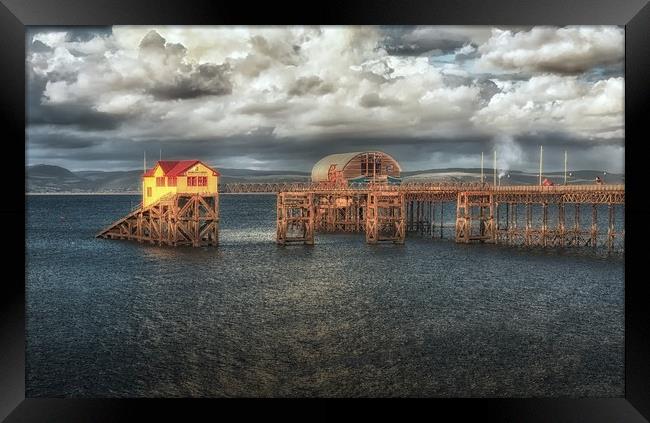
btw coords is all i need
(181, 184)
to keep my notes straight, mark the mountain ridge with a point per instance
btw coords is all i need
(43, 178)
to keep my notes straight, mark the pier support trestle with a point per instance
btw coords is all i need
(511, 215)
(385, 217)
(175, 220)
(296, 218)
(475, 217)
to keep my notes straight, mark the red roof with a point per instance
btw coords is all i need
(177, 167)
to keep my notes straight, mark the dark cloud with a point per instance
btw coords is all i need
(310, 85)
(455, 81)
(153, 41)
(567, 50)
(262, 131)
(263, 109)
(488, 89)
(506, 76)
(407, 41)
(415, 153)
(375, 78)
(206, 79)
(332, 122)
(39, 47)
(80, 116)
(190, 80)
(73, 34)
(433, 48)
(252, 65)
(283, 52)
(372, 100)
(77, 53)
(437, 40)
(55, 141)
(87, 33)
(564, 68)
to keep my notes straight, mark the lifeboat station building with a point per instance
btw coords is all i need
(178, 176)
(180, 206)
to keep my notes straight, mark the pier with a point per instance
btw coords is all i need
(362, 192)
(527, 215)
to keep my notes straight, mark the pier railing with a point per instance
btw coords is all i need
(257, 187)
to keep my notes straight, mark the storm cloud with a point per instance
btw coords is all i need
(310, 85)
(437, 40)
(569, 50)
(282, 97)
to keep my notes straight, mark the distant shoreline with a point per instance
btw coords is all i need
(83, 193)
(134, 193)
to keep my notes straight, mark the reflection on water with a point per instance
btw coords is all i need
(341, 318)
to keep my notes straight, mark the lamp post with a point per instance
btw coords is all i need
(495, 168)
(541, 155)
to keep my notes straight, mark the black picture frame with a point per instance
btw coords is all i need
(16, 14)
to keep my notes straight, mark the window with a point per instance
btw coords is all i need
(171, 181)
(160, 181)
(148, 191)
(371, 164)
(197, 181)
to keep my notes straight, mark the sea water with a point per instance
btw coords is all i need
(340, 318)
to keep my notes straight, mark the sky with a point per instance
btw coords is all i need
(280, 98)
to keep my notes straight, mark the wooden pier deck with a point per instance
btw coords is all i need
(514, 215)
(528, 215)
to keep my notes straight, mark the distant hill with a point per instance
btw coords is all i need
(255, 173)
(511, 177)
(47, 178)
(51, 172)
(53, 179)
(248, 175)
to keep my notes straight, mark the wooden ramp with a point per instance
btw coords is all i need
(117, 223)
(175, 219)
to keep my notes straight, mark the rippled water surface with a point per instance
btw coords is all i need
(341, 318)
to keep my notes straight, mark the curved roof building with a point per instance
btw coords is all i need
(367, 165)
